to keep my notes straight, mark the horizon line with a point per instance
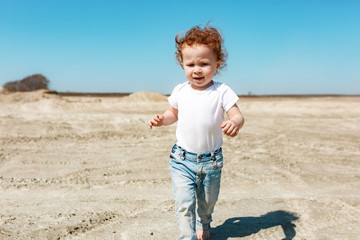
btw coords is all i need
(123, 94)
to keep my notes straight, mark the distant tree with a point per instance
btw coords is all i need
(30, 83)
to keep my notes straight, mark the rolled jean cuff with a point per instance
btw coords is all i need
(202, 226)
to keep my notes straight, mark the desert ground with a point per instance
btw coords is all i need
(90, 168)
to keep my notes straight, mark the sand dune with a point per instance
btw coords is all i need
(89, 168)
(145, 97)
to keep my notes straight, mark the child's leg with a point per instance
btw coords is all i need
(207, 193)
(183, 180)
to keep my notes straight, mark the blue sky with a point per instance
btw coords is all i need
(274, 47)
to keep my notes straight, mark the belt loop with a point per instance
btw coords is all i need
(212, 158)
(182, 156)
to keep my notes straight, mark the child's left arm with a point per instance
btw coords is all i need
(236, 121)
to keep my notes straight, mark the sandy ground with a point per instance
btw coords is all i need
(89, 168)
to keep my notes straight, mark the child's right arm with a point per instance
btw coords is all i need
(169, 117)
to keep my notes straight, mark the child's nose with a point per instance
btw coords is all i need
(197, 70)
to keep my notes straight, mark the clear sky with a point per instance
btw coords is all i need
(275, 47)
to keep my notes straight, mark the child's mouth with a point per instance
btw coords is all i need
(198, 78)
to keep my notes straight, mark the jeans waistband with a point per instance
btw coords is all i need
(198, 157)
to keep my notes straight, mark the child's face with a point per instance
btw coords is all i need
(200, 65)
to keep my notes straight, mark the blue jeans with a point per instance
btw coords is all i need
(195, 176)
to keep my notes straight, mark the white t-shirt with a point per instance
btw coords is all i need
(200, 115)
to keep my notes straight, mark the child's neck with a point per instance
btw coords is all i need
(201, 88)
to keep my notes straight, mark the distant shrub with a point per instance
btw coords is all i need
(30, 83)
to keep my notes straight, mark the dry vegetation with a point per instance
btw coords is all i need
(30, 83)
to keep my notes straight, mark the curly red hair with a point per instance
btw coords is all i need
(208, 36)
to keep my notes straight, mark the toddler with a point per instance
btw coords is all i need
(198, 105)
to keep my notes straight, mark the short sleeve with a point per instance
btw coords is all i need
(229, 97)
(173, 97)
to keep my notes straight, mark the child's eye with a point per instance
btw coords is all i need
(190, 65)
(203, 64)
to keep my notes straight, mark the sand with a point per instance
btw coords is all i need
(89, 168)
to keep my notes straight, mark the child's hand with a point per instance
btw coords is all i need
(156, 121)
(230, 128)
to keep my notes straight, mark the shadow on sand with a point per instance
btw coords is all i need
(245, 226)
